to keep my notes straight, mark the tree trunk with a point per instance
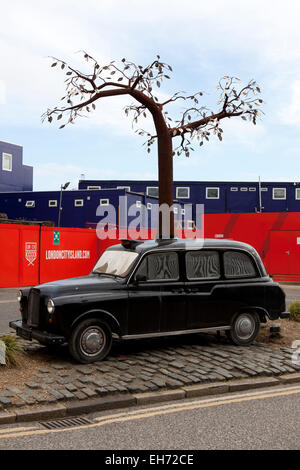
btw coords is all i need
(165, 163)
(165, 179)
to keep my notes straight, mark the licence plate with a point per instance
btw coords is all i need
(24, 333)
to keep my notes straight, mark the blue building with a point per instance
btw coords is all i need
(14, 176)
(79, 207)
(83, 207)
(217, 197)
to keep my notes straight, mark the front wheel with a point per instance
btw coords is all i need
(90, 341)
(244, 329)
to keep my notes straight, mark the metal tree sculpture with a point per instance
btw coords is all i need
(127, 78)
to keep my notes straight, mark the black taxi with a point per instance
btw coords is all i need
(154, 288)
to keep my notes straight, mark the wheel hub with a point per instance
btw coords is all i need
(245, 326)
(92, 341)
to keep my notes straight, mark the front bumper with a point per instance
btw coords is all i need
(284, 315)
(29, 333)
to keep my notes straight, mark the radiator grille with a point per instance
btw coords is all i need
(33, 308)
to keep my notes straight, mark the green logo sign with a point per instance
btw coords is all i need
(56, 236)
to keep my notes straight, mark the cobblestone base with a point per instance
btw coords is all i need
(145, 366)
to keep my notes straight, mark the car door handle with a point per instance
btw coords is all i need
(178, 291)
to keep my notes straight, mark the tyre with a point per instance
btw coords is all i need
(90, 341)
(244, 328)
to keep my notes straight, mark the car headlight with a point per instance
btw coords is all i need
(19, 296)
(50, 306)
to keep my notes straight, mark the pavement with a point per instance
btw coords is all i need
(139, 372)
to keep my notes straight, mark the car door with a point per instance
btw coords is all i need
(143, 302)
(242, 288)
(173, 315)
(203, 302)
(156, 297)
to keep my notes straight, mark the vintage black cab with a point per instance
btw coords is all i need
(154, 288)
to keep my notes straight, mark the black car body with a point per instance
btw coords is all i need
(154, 288)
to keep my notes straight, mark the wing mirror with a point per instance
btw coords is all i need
(140, 278)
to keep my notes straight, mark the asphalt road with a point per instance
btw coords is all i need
(264, 419)
(9, 308)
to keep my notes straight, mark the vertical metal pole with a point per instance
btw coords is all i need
(259, 193)
(59, 210)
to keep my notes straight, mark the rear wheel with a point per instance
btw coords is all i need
(90, 341)
(244, 329)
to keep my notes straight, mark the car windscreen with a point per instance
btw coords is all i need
(116, 263)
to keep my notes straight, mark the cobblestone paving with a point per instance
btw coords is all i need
(143, 366)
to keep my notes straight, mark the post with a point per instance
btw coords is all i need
(259, 192)
(59, 210)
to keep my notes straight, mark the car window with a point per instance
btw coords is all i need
(202, 265)
(115, 262)
(237, 264)
(160, 266)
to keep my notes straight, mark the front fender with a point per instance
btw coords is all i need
(101, 314)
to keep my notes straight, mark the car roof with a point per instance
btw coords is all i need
(140, 246)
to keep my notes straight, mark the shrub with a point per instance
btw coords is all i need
(294, 310)
(12, 350)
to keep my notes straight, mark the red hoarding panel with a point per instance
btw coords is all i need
(295, 252)
(70, 252)
(67, 252)
(9, 255)
(285, 252)
(280, 252)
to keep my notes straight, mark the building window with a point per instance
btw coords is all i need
(279, 193)
(175, 210)
(94, 187)
(212, 193)
(78, 202)
(149, 206)
(104, 202)
(183, 193)
(30, 204)
(138, 204)
(182, 211)
(53, 203)
(6, 162)
(263, 190)
(152, 191)
(127, 188)
(244, 189)
(297, 193)
(252, 189)
(233, 189)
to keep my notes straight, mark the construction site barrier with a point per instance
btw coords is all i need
(30, 255)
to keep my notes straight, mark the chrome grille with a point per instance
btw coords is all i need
(33, 308)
